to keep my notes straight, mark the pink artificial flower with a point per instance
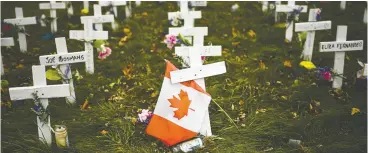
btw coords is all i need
(170, 40)
(203, 58)
(326, 75)
(144, 115)
(104, 53)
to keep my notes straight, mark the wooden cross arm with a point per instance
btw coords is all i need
(286, 8)
(98, 19)
(200, 31)
(21, 21)
(198, 3)
(192, 14)
(204, 50)
(48, 91)
(65, 58)
(82, 35)
(198, 72)
(7, 41)
(114, 3)
(341, 46)
(47, 6)
(312, 26)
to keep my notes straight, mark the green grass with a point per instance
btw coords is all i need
(333, 130)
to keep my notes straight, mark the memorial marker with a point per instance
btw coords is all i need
(98, 18)
(342, 5)
(43, 91)
(88, 35)
(20, 22)
(311, 27)
(340, 46)
(64, 59)
(6, 42)
(52, 6)
(287, 9)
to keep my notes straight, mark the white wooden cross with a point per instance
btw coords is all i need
(20, 22)
(88, 35)
(290, 8)
(44, 92)
(5, 42)
(264, 6)
(98, 18)
(86, 5)
(340, 46)
(114, 5)
(52, 6)
(197, 71)
(342, 5)
(188, 16)
(64, 59)
(70, 8)
(311, 27)
(276, 17)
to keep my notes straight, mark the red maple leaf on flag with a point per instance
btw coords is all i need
(182, 104)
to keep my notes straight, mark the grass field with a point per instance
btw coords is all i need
(269, 102)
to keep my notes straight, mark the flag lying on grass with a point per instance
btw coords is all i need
(180, 110)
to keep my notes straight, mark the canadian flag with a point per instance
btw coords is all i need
(180, 110)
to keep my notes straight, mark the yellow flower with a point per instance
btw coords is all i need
(262, 65)
(144, 14)
(354, 111)
(251, 33)
(134, 120)
(84, 11)
(20, 66)
(241, 102)
(307, 64)
(295, 115)
(104, 132)
(287, 63)
(126, 30)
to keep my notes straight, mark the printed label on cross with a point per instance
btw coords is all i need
(98, 18)
(44, 92)
(87, 35)
(288, 9)
(52, 6)
(63, 59)
(114, 5)
(340, 46)
(6, 42)
(311, 27)
(20, 22)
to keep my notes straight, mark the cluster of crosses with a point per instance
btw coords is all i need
(191, 54)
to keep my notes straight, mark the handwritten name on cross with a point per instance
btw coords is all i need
(44, 92)
(197, 71)
(340, 46)
(52, 6)
(98, 18)
(6, 42)
(64, 59)
(20, 22)
(311, 27)
(288, 9)
(88, 35)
